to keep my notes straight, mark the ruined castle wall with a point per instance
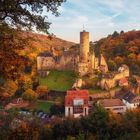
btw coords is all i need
(84, 46)
(103, 62)
(68, 62)
(121, 75)
(94, 61)
(48, 63)
(108, 83)
(112, 82)
(39, 62)
(83, 63)
(83, 68)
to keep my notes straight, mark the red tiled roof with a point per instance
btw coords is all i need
(17, 101)
(123, 81)
(111, 102)
(76, 94)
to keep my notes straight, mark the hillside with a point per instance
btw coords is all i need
(21, 49)
(120, 48)
(39, 42)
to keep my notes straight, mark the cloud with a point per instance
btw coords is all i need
(100, 17)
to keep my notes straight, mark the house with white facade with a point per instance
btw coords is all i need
(131, 100)
(76, 103)
(113, 105)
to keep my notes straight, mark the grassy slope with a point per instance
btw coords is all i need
(59, 80)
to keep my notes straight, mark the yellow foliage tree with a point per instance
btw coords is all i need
(119, 60)
(29, 95)
(10, 87)
(42, 91)
(132, 56)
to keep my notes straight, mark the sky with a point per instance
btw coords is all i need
(99, 17)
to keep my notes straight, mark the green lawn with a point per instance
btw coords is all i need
(40, 105)
(59, 80)
(44, 106)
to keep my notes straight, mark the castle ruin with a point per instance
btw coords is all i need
(82, 61)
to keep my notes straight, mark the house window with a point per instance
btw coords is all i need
(117, 108)
(69, 111)
(85, 111)
(85, 102)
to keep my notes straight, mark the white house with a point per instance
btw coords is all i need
(114, 105)
(131, 100)
(76, 103)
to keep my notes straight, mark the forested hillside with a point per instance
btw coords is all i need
(120, 48)
(18, 48)
(39, 43)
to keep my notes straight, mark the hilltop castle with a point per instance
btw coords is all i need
(82, 61)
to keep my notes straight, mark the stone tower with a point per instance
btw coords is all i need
(84, 46)
(83, 65)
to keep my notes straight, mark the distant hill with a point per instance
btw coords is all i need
(120, 48)
(39, 43)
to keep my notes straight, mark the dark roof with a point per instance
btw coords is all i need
(126, 95)
(45, 54)
(129, 97)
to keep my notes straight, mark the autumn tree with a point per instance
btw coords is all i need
(10, 87)
(115, 34)
(57, 109)
(133, 82)
(14, 16)
(132, 56)
(99, 122)
(10, 44)
(29, 95)
(122, 32)
(28, 13)
(119, 60)
(112, 65)
(25, 81)
(122, 48)
(42, 92)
